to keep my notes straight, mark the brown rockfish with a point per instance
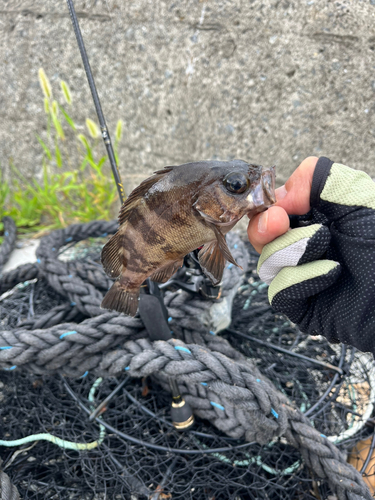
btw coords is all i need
(176, 211)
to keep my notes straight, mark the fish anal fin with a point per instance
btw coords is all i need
(164, 273)
(112, 257)
(212, 261)
(118, 299)
(223, 246)
(137, 193)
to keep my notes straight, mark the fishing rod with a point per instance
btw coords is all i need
(95, 96)
(151, 305)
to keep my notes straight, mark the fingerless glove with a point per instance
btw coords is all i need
(322, 271)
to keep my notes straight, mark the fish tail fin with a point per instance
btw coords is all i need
(121, 300)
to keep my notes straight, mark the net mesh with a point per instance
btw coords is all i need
(140, 454)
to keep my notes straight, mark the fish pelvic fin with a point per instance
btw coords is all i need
(137, 193)
(163, 274)
(118, 299)
(112, 256)
(212, 261)
(223, 245)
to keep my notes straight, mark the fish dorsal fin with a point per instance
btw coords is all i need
(112, 257)
(223, 245)
(163, 274)
(139, 192)
(212, 261)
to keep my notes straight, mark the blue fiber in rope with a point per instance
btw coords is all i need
(11, 368)
(67, 333)
(70, 276)
(323, 436)
(170, 319)
(127, 368)
(68, 239)
(72, 304)
(84, 375)
(204, 383)
(212, 333)
(180, 348)
(258, 380)
(6, 233)
(38, 261)
(216, 405)
(274, 413)
(103, 235)
(5, 347)
(230, 266)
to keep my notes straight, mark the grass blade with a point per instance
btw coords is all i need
(44, 146)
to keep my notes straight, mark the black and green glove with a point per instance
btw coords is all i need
(322, 272)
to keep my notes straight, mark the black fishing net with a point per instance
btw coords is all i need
(131, 450)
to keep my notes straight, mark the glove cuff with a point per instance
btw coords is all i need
(321, 173)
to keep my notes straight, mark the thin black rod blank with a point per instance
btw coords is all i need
(95, 96)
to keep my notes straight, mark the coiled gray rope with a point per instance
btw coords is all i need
(219, 383)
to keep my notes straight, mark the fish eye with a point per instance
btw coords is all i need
(236, 182)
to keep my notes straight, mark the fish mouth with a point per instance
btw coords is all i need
(264, 193)
(268, 183)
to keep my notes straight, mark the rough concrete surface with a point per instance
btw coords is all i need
(271, 81)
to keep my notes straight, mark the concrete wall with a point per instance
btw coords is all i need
(271, 81)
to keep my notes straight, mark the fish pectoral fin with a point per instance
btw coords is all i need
(223, 246)
(164, 273)
(121, 300)
(112, 256)
(212, 261)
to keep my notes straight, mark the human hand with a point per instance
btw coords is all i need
(292, 198)
(322, 272)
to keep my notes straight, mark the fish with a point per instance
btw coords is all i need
(175, 211)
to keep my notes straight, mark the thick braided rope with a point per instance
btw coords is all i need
(39, 349)
(26, 272)
(10, 234)
(83, 284)
(65, 277)
(218, 382)
(226, 390)
(79, 282)
(7, 490)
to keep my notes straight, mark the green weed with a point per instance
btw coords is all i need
(66, 193)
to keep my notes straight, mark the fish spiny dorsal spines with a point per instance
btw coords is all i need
(137, 194)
